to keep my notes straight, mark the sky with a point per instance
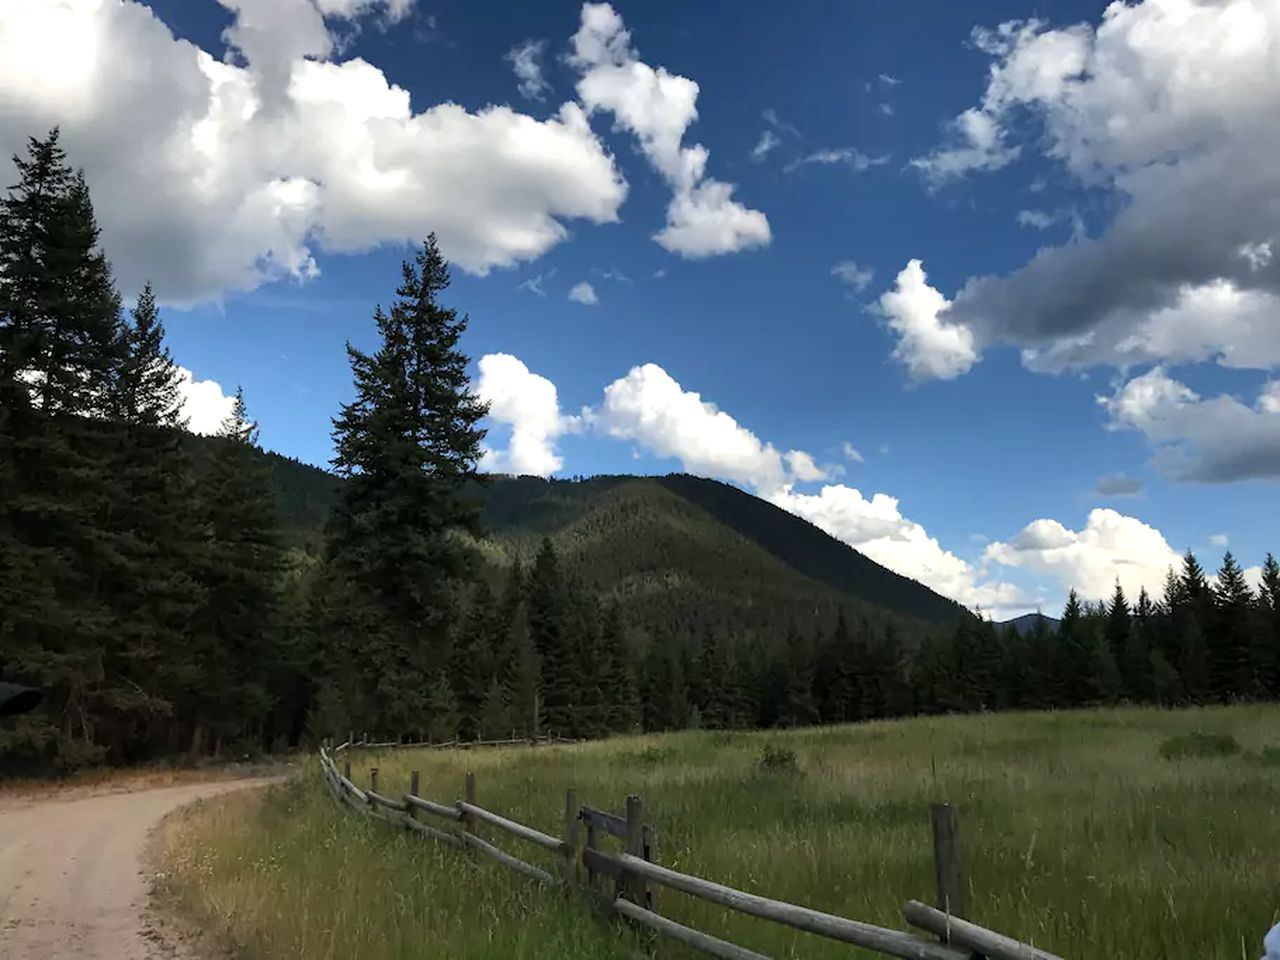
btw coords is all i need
(984, 290)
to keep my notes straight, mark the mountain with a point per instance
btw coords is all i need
(1027, 622)
(676, 552)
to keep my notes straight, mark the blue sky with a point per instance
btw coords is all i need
(269, 184)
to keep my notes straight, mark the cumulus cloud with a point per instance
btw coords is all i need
(1117, 485)
(529, 405)
(929, 346)
(204, 404)
(803, 467)
(526, 61)
(1196, 438)
(584, 293)
(648, 406)
(1167, 105)
(1110, 547)
(239, 165)
(657, 107)
(855, 276)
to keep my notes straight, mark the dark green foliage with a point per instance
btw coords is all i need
(1232, 635)
(405, 447)
(778, 760)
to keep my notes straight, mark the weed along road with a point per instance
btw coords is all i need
(71, 881)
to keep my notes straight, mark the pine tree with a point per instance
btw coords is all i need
(406, 447)
(1232, 643)
(800, 709)
(1268, 648)
(847, 660)
(157, 587)
(621, 693)
(236, 636)
(441, 708)
(1190, 606)
(60, 349)
(469, 673)
(1134, 656)
(1077, 652)
(495, 712)
(552, 639)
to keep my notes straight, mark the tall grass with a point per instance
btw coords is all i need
(1078, 835)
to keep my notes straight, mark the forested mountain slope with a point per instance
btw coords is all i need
(675, 550)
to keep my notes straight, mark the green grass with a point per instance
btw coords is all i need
(1078, 835)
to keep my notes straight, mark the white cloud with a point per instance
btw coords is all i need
(852, 274)
(889, 80)
(204, 405)
(928, 345)
(803, 468)
(526, 61)
(1038, 219)
(1216, 439)
(886, 109)
(1219, 540)
(851, 453)
(216, 173)
(649, 407)
(658, 107)
(851, 157)
(1165, 107)
(534, 284)
(528, 404)
(1111, 547)
(584, 293)
(767, 142)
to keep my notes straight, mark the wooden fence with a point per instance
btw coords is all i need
(626, 881)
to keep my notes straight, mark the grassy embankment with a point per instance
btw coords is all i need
(1078, 834)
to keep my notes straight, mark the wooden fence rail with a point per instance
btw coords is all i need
(635, 876)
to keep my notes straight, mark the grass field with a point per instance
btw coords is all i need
(1117, 833)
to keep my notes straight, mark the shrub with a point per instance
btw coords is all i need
(775, 759)
(1199, 744)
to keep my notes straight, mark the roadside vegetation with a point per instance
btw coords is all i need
(1116, 833)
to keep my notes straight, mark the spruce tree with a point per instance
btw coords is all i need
(1077, 649)
(1232, 637)
(1190, 604)
(469, 673)
(800, 708)
(1134, 657)
(621, 693)
(61, 345)
(159, 585)
(553, 640)
(236, 635)
(406, 446)
(1268, 649)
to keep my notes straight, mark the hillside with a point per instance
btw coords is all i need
(1027, 622)
(676, 551)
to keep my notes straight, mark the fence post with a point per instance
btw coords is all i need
(651, 854)
(593, 843)
(413, 783)
(373, 779)
(635, 886)
(469, 820)
(946, 859)
(346, 768)
(571, 836)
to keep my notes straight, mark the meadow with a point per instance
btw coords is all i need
(1132, 834)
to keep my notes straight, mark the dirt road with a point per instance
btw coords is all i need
(71, 880)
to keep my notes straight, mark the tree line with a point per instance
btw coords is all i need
(151, 596)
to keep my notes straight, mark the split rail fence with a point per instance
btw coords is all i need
(626, 882)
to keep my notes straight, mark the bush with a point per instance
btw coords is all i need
(1199, 744)
(1270, 757)
(775, 759)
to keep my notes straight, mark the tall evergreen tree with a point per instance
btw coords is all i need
(621, 692)
(1268, 649)
(60, 349)
(236, 636)
(406, 447)
(1232, 635)
(1189, 602)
